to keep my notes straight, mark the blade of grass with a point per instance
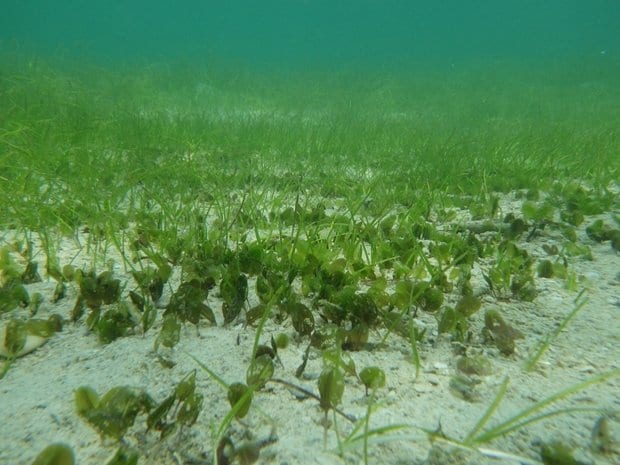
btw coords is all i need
(489, 411)
(514, 422)
(415, 355)
(542, 416)
(211, 373)
(546, 342)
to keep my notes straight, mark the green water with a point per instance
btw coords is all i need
(367, 34)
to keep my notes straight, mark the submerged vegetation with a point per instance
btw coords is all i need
(344, 211)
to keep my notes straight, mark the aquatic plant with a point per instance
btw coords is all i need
(55, 454)
(339, 228)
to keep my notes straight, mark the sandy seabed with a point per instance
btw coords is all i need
(37, 394)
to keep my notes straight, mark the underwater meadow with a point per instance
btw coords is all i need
(209, 259)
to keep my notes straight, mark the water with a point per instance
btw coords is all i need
(332, 34)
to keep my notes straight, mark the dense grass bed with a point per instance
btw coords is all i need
(458, 130)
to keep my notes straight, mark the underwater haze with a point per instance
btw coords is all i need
(317, 33)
